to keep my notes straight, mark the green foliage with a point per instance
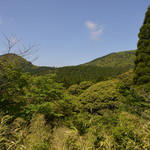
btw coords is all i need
(120, 59)
(4, 130)
(12, 133)
(127, 132)
(135, 99)
(45, 96)
(66, 139)
(25, 65)
(126, 78)
(107, 115)
(77, 74)
(13, 85)
(100, 69)
(142, 60)
(23, 94)
(39, 134)
(78, 89)
(101, 96)
(74, 89)
(97, 104)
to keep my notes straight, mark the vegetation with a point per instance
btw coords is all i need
(101, 69)
(99, 108)
(120, 59)
(142, 61)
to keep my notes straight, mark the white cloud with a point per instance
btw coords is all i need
(95, 30)
(91, 25)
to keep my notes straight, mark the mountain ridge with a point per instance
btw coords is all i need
(99, 69)
(101, 61)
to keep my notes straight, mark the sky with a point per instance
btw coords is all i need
(71, 32)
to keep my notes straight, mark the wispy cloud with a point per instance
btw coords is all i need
(95, 30)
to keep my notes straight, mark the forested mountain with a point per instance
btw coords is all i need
(15, 59)
(120, 59)
(25, 65)
(100, 69)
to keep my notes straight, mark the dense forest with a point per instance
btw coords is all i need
(100, 105)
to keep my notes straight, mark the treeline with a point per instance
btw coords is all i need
(100, 69)
(76, 74)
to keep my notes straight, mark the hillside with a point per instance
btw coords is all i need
(100, 69)
(24, 65)
(15, 59)
(120, 59)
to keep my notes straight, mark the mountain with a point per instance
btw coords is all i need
(24, 65)
(100, 69)
(120, 59)
(15, 59)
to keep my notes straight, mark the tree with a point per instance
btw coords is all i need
(11, 42)
(13, 81)
(142, 60)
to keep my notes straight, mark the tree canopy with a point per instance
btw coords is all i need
(142, 60)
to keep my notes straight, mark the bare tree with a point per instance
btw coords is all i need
(11, 42)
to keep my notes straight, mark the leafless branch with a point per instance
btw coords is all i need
(10, 42)
(24, 51)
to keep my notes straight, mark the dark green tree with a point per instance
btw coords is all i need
(142, 60)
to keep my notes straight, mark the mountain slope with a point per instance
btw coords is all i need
(120, 59)
(25, 65)
(15, 59)
(100, 69)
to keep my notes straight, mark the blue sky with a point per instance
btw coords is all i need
(72, 32)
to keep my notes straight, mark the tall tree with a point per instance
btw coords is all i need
(142, 60)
